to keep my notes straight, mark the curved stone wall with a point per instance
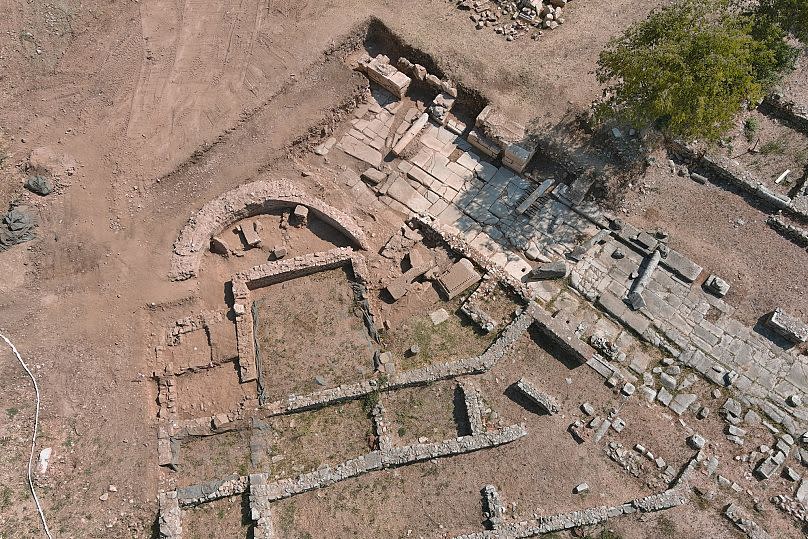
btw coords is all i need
(251, 199)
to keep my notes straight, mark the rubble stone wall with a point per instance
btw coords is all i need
(263, 492)
(730, 171)
(788, 110)
(585, 517)
(246, 201)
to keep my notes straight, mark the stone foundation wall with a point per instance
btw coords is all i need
(170, 520)
(787, 110)
(794, 233)
(263, 492)
(246, 201)
(730, 171)
(585, 517)
(474, 408)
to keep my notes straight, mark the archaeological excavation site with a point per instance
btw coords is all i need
(432, 269)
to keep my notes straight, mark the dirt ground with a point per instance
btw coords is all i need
(312, 322)
(165, 105)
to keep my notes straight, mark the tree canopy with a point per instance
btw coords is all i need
(791, 15)
(690, 67)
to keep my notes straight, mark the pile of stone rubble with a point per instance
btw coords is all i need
(515, 19)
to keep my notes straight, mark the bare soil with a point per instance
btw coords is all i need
(310, 335)
(165, 106)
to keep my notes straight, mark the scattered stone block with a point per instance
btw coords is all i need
(791, 474)
(664, 396)
(421, 261)
(278, 252)
(767, 468)
(802, 492)
(716, 285)
(588, 409)
(374, 176)
(459, 278)
(301, 214)
(250, 233)
(681, 402)
(553, 270)
(788, 326)
(696, 441)
(219, 246)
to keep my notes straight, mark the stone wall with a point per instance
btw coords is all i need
(585, 517)
(787, 110)
(263, 492)
(728, 170)
(376, 460)
(542, 400)
(246, 201)
(207, 426)
(794, 233)
(474, 408)
(170, 519)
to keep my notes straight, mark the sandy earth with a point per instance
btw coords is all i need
(166, 104)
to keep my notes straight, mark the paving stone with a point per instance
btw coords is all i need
(404, 193)
(361, 151)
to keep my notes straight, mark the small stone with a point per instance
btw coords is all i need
(618, 254)
(703, 412)
(104, 497)
(588, 409)
(113, 488)
(696, 441)
(320, 381)
(628, 389)
(580, 489)
(38, 185)
(414, 350)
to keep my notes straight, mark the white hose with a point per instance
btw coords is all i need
(33, 438)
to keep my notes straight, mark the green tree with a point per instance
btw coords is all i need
(791, 15)
(690, 67)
